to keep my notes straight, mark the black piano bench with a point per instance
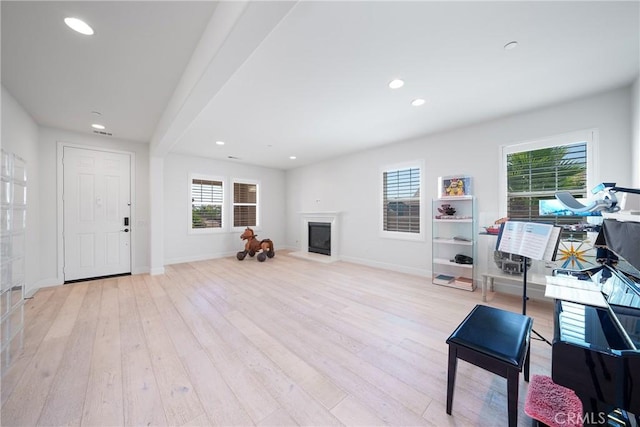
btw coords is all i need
(550, 404)
(495, 340)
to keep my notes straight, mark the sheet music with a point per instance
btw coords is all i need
(573, 290)
(572, 282)
(529, 239)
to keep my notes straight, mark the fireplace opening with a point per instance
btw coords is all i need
(320, 238)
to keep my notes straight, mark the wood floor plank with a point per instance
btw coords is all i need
(312, 381)
(357, 377)
(141, 396)
(351, 413)
(331, 344)
(220, 403)
(39, 374)
(344, 374)
(285, 342)
(180, 402)
(319, 343)
(300, 406)
(65, 320)
(39, 312)
(277, 419)
(26, 402)
(103, 404)
(255, 399)
(218, 400)
(72, 376)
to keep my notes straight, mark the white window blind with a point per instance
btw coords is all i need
(401, 200)
(538, 174)
(245, 204)
(206, 203)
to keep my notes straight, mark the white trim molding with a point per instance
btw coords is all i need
(590, 136)
(60, 146)
(401, 235)
(325, 217)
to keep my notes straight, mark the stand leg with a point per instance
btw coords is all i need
(484, 288)
(525, 261)
(524, 285)
(540, 337)
(451, 376)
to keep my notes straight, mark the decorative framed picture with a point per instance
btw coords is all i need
(454, 186)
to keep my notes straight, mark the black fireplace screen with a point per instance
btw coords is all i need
(320, 238)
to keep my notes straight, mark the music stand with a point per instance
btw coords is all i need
(530, 240)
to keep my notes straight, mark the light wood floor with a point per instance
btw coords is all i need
(284, 342)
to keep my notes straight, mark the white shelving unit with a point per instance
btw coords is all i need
(13, 213)
(454, 235)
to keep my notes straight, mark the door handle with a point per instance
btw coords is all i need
(126, 230)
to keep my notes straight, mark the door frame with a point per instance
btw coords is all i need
(61, 145)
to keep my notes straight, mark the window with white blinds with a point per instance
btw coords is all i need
(207, 199)
(537, 174)
(245, 204)
(401, 200)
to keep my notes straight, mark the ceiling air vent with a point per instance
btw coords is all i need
(101, 132)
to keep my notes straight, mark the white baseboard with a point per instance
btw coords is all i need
(387, 266)
(156, 271)
(44, 283)
(195, 258)
(314, 257)
(141, 270)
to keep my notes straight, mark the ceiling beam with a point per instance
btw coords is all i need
(235, 31)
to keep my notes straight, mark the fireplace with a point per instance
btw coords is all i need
(329, 239)
(320, 237)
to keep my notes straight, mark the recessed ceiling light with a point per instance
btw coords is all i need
(396, 83)
(97, 126)
(418, 102)
(219, 142)
(511, 45)
(79, 25)
(292, 157)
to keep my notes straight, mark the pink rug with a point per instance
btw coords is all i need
(552, 404)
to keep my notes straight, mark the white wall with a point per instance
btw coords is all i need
(179, 244)
(20, 136)
(351, 184)
(50, 256)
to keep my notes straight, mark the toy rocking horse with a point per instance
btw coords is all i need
(253, 246)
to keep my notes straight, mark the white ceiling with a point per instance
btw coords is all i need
(274, 79)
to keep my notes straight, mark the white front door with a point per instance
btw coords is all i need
(97, 206)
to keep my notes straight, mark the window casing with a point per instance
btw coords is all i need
(536, 170)
(246, 200)
(207, 203)
(402, 202)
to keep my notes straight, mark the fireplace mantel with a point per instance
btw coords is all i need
(327, 217)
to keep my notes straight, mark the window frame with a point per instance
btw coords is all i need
(403, 235)
(590, 136)
(223, 224)
(233, 203)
